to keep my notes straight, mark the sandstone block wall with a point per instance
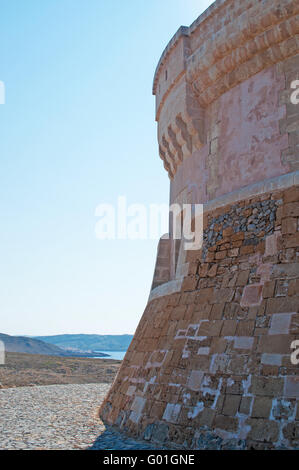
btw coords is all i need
(210, 364)
(209, 367)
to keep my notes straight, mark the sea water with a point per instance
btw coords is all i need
(113, 354)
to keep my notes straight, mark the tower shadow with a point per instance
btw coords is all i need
(111, 439)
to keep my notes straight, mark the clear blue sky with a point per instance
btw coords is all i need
(78, 130)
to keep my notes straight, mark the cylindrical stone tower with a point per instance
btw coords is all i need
(210, 364)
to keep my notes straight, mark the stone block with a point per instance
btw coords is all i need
(289, 225)
(291, 209)
(252, 295)
(267, 386)
(293, 287)
(245, 328)
(291, 387)
(271, 247)
(172, 412)
(231, 405)
(268, 289)
(218, 345)
(233, 253)
(229, 328)
(292, 194)
(195, 380)
(219, 363)
(245, 405)
(282, 305)
(217, 311)
(263, 430)
(283, 409)
(242, 278)
(210, 328)
(261, 407)
(243, 342)
(246, 250)
(226, 423)
(292, 240)
(223, 295)
(281, 288)
(207, 416)
(280, 323)
(221, 254)
(271, 359)
(274, 344)
(137, 408)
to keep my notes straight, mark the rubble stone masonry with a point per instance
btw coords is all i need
(209, 366)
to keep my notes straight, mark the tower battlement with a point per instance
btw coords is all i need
(222, 49)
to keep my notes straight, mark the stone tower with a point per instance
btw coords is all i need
(210, 363)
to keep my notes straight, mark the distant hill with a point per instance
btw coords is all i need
(22, 344)
(89, 342)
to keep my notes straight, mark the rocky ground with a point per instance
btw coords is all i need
(58, 417)
(33, 369)
(51, 402)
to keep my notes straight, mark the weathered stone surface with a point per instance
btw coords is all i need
(291, 387)
(222, 366)
(263, 430)
(210, 360)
